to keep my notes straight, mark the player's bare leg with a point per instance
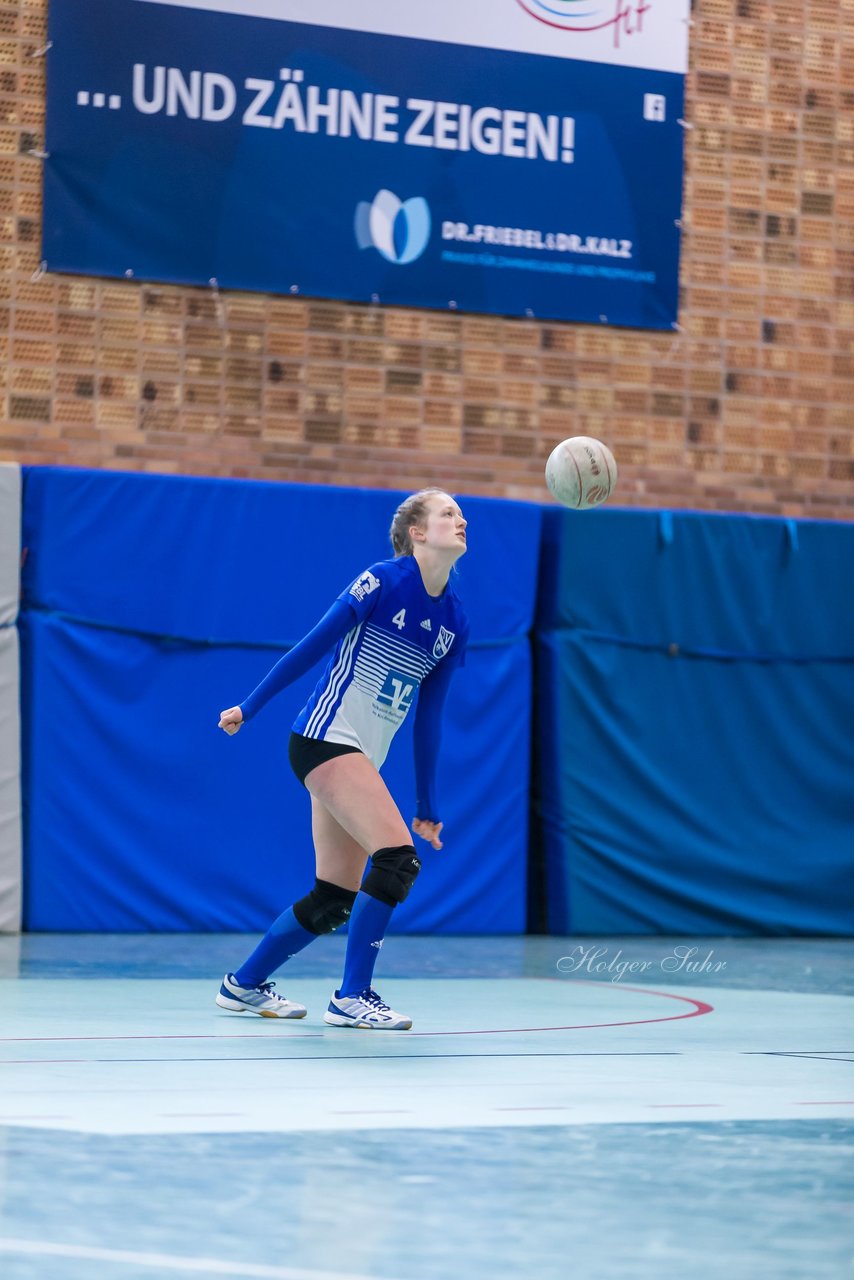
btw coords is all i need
(349, 795)
(352, 791)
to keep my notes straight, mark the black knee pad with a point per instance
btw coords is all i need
(392, 874)
(325, 908)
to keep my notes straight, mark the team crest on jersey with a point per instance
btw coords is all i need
(364, 585)
(444, 640)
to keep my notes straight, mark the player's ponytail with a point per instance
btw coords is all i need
(412, 511)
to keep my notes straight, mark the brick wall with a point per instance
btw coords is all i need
(748, 408)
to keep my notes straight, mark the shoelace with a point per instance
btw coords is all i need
(266, 989)
(370, 997)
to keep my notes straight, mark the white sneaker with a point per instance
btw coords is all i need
(364, 1010)
(261, 999)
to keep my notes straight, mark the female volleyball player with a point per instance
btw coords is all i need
(398, 630)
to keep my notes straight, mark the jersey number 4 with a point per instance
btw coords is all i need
(399, 619)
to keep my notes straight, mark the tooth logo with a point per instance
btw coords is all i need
(399, 230)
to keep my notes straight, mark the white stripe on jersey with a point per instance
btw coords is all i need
(399, 642)
(388, 649)
(337, 676)
(381, 651)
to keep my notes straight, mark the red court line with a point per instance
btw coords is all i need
(700, 1008)
(330, 1058)
(243, 1035)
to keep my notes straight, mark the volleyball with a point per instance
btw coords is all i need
(581, 472)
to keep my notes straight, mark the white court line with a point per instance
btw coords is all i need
(209, 1266)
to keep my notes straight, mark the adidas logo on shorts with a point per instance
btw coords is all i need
(426, 625)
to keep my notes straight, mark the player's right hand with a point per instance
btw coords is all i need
(231, 720)
(429, 831)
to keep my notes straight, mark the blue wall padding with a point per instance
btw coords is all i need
(148, 605)
(695, 706)
(242, 560)
(733, 584)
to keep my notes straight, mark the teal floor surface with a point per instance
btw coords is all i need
(604, 1108)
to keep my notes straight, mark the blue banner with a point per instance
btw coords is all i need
(191, 144)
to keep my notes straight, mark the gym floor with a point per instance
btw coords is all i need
(621, 1109)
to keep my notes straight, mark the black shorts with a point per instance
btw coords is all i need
(306, 754)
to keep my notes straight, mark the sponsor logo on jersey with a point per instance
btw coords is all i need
(443, 642)
(364, 585)
(397, 692)
(426, 625)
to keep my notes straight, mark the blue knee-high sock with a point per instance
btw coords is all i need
(365, 932)
(283, 939)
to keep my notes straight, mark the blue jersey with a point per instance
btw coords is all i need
(401, 634)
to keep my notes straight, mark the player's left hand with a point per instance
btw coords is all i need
(428, 831)
(231, 720)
